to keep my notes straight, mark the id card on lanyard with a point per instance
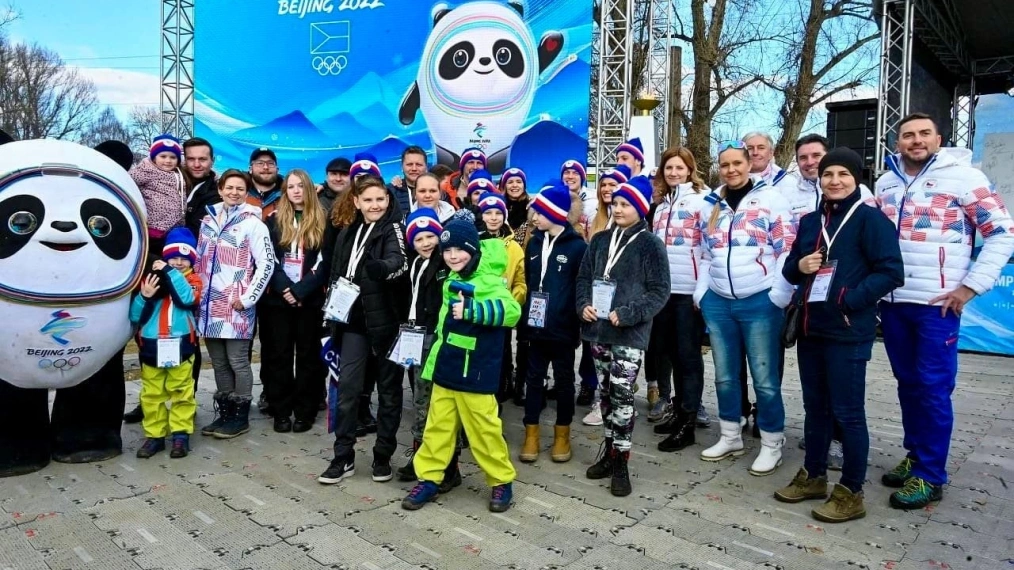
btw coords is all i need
(292, 263)
(407, 350)
(820, 289)
(167, 352)
(604, 289)
(344, 292)
(538, 303)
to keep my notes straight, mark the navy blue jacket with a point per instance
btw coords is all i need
(562, 323)
(869, 267)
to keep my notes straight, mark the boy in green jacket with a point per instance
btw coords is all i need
(464, 365)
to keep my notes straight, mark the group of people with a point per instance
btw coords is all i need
(430, 273)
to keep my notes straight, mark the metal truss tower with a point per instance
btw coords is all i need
(895, 73)
(659, 68)
(177, 68)
(612, 98)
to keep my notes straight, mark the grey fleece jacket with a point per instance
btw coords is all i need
(641, 275)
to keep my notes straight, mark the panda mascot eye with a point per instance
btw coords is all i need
(108, 227)
(20, 217)
(509, 59)
(455, 60)
(23, 223)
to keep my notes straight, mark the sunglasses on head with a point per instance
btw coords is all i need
(725, 145)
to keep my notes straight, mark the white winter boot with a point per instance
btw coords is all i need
(770, 456)
(730, 444)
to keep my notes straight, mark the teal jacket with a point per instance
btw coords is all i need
(467, 353)
(168, 315)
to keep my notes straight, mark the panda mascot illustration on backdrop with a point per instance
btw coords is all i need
(477, 79)
(72, 247)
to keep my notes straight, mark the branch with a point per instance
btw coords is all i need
(840, 56)
(844, 87)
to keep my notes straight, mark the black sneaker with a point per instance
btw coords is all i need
(585, 395)
(382, 470)
(341, 468)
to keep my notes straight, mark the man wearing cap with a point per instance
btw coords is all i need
(456, 186)
(337, 182)
(267, 183)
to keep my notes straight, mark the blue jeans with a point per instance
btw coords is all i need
(756, 323)
(833, 377)
(923, 349)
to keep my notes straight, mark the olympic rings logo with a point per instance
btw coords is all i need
(329, 65)
(61, 364)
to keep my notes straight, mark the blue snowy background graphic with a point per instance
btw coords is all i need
(255, 84)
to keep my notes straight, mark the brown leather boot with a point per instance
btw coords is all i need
(530, 449)
(561, 444)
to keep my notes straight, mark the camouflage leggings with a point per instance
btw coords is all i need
(617, 367)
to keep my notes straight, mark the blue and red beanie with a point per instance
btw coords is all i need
(364, 163)
(512, 173)
(576, 166)
(166, 143)
(634, 147)
(492, 201)
(180, 242)
(553, 202)
(421, 221)
(473, 153)
(460, 232)
(638, 192)
(481, 180)
(620, 174)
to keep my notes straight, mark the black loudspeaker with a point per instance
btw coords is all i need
(853, 124)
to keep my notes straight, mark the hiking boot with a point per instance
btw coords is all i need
(667, 425)
(382, 471)
(238, 422)
(803, 488)
(585, 396)
(897, 477)
(407, 473)
(916, 494)
(729, 444)
(223, 411)
(659, 411)
(620, 485)
(341, 468)
(134, 416)
(150, 447)
(835, 456)
(530, 448)
(561, 453)
(180, 445)
(653, 397)
(683, 436)
(844, 505)
(594, 417)
(500, 498)
(452, 476)
(421, 494)
(604, 466)
(703, 419)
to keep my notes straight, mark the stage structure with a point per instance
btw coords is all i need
(953, 51)
(177, 68)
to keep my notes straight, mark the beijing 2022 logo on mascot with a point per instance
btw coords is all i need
(72, 247)
(477, 79)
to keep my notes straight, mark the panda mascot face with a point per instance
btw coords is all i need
(72, 246)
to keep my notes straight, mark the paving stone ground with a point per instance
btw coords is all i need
(253, 502)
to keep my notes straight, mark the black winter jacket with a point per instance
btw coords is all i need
(641, 276)
(204, 194)
(869, 266)
(431, 290)
(562, 323)
(383, 302)
(310, 289)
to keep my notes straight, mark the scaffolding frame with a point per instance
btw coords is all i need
(659, 66)
(613, 97)
(895, 73)
(177, 68)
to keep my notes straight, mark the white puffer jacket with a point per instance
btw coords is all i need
(805, 197)
(937, 213)
(677, 222)
(778, 178)
(747, 248)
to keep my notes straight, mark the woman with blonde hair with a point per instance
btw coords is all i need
(678, 331)
(290, 310)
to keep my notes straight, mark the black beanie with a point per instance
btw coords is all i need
(843, 156)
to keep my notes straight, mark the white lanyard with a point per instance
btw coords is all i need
(547, 250)
(615, 251)
(415, 276)
(294, 248)
(823, 228)
(358, 251)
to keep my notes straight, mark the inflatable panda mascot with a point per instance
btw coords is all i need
(477, 79)
(72, 247)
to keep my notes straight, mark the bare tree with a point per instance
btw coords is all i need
(825, 55)
(40, 97)
(724, 35)
(106, 127)
(144, 124)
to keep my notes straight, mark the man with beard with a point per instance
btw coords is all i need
(337, 182)
(937, 200)
(455, 188)
(266, 181)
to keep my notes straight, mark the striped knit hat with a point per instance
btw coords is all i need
(576, 166)
(553, 202)
(492, 201)
(481, 180)
(165, 143)
(365, 163)
(637, 191)
(421, 221)
(180, 242)
(634, 147)
(472, 154)
(620, 174)
(512, 173)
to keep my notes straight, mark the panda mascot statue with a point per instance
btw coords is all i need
(477, 79)
(72, 249)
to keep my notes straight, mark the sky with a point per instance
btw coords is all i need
(115, 44)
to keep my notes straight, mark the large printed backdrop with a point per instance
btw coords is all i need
(317, 79)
